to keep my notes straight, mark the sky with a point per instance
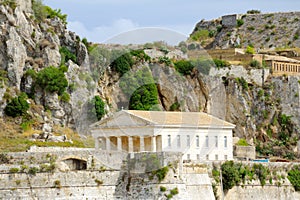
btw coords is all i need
(105, 20)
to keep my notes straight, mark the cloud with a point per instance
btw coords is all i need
(125, 31)
(102, 33)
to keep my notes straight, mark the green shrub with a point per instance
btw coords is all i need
(162, 189)
(32, 73)
(240, 22)
(88, 45)
(165, 59)
(262, 172)
(221, 63)
(41, 12)
(50, 13)
(65, 97)
(33, 170)
(140, 89)
(184, 67)
(241, 81)
(122, 64)
(18, 106)
(57, 184)
(212, 33)
(67, 55)
(175, 106)
(255, 64)
(253, 12)
(161, 173)
(174, 191)
(63, 68)
(296, 36)
(260, 93)
(11, 3)
(26, 125)
(140, 55)
(18, 182)
(14, 170)
(230, 175)
(99, 182)
(250, 50)
(216, 175)
(99, 107)
(250, 28)
(144, 98)
(242, 142)
(200, 35)
(51, 79)
(47, 167)
(4, 158)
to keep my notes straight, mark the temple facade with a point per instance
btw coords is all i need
(197, 135)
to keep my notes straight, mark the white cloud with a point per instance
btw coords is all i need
(102, 33)
(125, 31)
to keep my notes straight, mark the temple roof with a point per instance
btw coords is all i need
(166, 119)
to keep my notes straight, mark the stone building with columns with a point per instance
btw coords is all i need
(197, 135)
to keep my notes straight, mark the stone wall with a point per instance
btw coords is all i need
(277, 185)
(244, 152)
(191, 181)
(229, 20)
(133, 180)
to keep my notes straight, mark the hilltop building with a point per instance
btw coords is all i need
(197, 135)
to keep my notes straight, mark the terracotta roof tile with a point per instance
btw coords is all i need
(179, 118)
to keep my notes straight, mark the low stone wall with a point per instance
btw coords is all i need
(273, 192)
(246, 152)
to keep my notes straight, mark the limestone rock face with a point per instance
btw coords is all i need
(26, 45)
(253, 30)
(16, 53)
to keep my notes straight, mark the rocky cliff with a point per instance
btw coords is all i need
(30, 43)
(268, 30)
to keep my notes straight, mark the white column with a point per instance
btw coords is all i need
(130, 144)
(153, 144)
(142, 143)
(97, 143)
(107, 143)
(119, 143)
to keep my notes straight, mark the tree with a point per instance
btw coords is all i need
(18, 106)
(99, 107)
(230, 175)
(51, 79)
(294, 177)
(144, 98)
(140, 88)
(123, 63)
